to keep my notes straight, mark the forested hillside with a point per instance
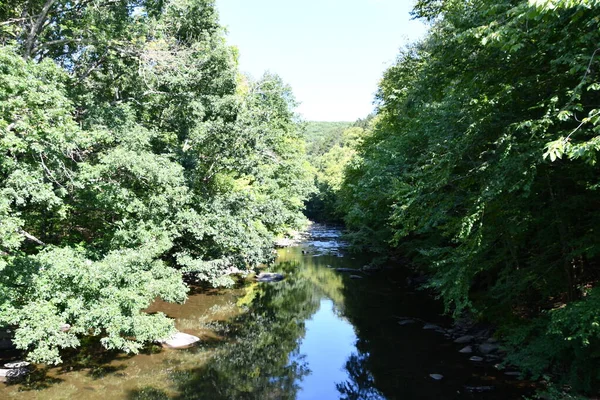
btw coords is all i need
(330, 147)
(482, 169)
(134, 157)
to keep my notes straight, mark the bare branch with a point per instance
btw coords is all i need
(12, 21)
(31, 237)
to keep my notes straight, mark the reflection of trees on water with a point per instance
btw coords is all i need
(260, 360)
(360, 385)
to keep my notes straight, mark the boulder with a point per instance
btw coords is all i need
(268, 277)
(180, 340)
(13, 374)
(464, 339)
(437, 377)
(466, 350)
(476, 359)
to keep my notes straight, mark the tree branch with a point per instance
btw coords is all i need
(31, 237)
(35, 28)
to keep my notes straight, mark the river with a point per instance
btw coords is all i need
(318, 334)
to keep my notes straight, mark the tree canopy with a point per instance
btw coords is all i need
(482, 167)
(134, 157)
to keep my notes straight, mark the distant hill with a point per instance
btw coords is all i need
(322, 136)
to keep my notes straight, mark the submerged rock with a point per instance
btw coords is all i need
(268, 277)
(350, 270)
(180, 340)
(406, 322)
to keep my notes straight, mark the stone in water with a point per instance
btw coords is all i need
(466, 350)
(180, 340)
(268, 277)
(464, 339)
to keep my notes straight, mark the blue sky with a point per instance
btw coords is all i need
(332, 52)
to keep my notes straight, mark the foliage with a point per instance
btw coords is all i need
(133, 154)
(482, 168)
(331, 146)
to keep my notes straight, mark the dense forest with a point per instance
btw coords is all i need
(480, 167)
(136, 159)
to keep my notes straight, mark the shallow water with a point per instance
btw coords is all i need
(318, 334)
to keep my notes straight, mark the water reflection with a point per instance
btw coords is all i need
(315, 335)
(328, 343)
(361, 383)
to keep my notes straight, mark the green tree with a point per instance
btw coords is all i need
(133, 154)
(463, 173)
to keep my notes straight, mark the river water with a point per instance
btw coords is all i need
(318, 334)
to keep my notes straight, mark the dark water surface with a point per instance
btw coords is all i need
(318, 334)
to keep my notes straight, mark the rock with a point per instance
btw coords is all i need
(437, 377)
(406, 322)
(487, 348)
(17, 364)
(350, 270)
(492, 340)
(13, 374)
(355, 277)
(476, 359)
(180, 340)
(268, 277)
(479, 389)
(65, 328)
(466, 350)
(233, 271)
(464, 339)
(431, 327)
